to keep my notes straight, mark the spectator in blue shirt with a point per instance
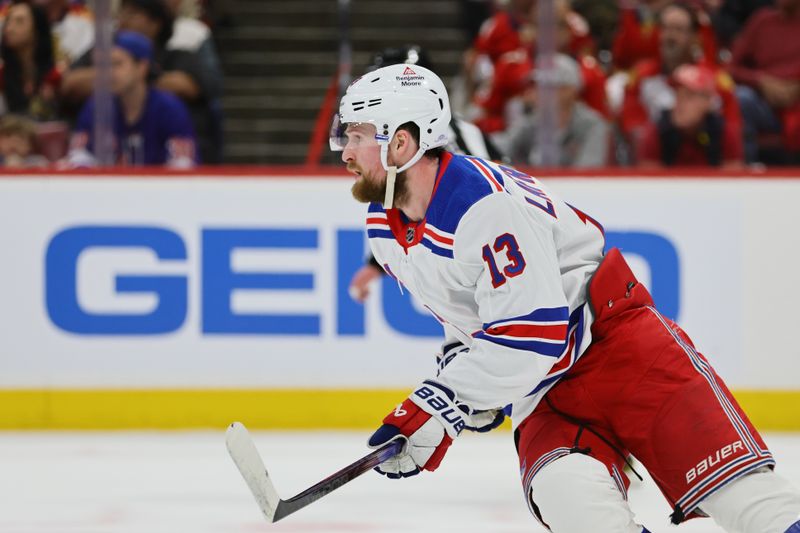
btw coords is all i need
(150, 126)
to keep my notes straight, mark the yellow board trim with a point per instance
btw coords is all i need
(290, 409)
(194, 408)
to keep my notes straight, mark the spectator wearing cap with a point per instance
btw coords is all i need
(180, 71)
(582, 133)
(649, 90)
(29, 79)
(766, 65)
(151, 126)
(693, 132)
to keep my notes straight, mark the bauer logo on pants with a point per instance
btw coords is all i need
(713, 460)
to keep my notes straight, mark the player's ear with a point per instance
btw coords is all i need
(402, 141)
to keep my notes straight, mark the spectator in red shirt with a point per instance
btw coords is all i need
(766, 64)
(693, 132)
(515, 27)
(513, 71)
(28, 77)
(513, 30)
(730, 16)
(637, 37)
(506, 30)
(637, 34)
(649, 91)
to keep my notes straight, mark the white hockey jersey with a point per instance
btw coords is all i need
(503, 264)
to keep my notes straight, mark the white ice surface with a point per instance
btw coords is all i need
(124, 482)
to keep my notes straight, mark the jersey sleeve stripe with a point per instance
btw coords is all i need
(543, 333)
(546, 348)
(542, 315)
(570, 355)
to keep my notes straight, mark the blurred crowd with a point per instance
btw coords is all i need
(657, 83)
(165, 85)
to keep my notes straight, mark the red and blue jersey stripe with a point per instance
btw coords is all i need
(377, 223)
(549, 332)
(544, 332)
(568, 358)
(437, 241)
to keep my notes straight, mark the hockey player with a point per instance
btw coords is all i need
(539, 319)
(463, 138)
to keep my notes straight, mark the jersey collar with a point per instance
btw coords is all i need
(406, 232)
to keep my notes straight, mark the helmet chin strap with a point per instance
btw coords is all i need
(391, 176)
(392, 171)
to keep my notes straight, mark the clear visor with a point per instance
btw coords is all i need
(337, 139)
(338, 135)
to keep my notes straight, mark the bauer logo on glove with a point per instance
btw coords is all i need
(429, 420)
(443, 406)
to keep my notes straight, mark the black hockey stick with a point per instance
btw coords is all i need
(248, 461)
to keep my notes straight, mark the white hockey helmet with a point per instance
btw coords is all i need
(389, 97)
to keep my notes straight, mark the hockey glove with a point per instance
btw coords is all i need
(429, 419)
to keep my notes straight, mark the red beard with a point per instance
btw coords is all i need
(369, 190)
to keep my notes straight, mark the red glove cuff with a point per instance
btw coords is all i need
(407, 417)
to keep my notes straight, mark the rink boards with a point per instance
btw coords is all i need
(185, 301)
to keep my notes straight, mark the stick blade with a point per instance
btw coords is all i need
(243, 451)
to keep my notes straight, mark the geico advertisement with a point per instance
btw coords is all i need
(244, 282)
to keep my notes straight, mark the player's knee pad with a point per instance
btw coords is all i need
(576, 493)
(759, 502)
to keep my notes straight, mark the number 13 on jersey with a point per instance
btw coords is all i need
(513, 260)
